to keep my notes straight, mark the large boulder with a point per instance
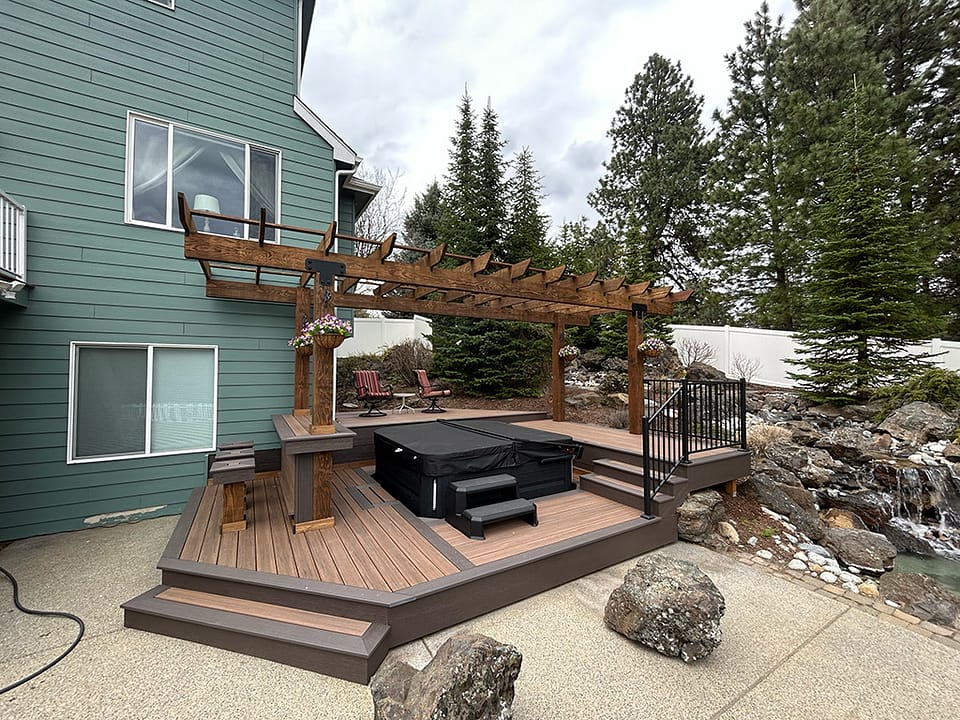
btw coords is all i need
(862, 549)
(870, 506)
(698, 518)
(923, 597)
(777, 497)
(847, 443)
(702, 371)
(668, 605)
(919, 422)
(470, 678)
(812, 465)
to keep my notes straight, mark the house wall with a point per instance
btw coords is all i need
(71, 70)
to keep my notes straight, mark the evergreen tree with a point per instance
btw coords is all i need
(527, 225)
(421, 226)
(751, 252)
(862, 301)
(460, 206)
(652, 193)
(491, 186)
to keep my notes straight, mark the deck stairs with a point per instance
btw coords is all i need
(623, 482)
(341, 647)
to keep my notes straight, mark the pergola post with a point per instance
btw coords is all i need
(559, 406)
(301, 361)
(635, 368)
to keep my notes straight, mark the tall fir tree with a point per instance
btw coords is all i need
(421, 226)
(460, 203)
(491, 185)
(527, 225)
(651, 195)
(751, 251)
(862, 305)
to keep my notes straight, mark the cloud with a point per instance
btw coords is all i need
(388, 76)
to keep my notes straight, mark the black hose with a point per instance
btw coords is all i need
(45, 613)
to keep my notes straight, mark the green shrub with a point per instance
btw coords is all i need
(936, 385)
(613, 382)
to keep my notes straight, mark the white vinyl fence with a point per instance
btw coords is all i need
(768, 349)
(772, 348)
(376, 334)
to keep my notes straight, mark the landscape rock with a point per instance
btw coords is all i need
(837, 518)
(728, 532)
(802, 432)
(861, 548)
(698, 518)
(470, 678)
(702, 371)
(813, 549)
(773, 496)
(668, 605)
(905, 541)
(846, 443)
(868, 505)
(922, 597)
(812, 465)
(796, 564)
(918, 422)
(584, 400)
(952, 452)
(869, 589)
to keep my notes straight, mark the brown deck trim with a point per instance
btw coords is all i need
(176, 542)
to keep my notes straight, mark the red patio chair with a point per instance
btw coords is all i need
(370, 393)
(431, 391)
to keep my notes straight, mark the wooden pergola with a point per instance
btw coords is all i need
(427, 281)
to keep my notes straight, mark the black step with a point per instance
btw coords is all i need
(471, 523)
(187, 615)
(462, 490)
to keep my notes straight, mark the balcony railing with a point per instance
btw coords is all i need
(13, 239)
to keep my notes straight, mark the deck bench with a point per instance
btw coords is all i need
(233, 475)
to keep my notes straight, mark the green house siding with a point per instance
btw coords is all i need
(72, 71)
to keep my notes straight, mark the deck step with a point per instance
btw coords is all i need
(632, 474)
(624, 493)
(473, 520)
(341, 647)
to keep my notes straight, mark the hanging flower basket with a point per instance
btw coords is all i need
(332, 329)
(304, 349)
(568, 352)
(652, 347)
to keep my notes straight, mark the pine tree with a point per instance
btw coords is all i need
(862, 301)
(527, 226)
(491, 186)
(421, 226)
(460, 215)
(651, 196)
(752, 253)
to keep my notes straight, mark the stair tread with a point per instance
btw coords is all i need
(349, 642)
(266, 611)
(483, 484)
(500, 510)
(623, 485)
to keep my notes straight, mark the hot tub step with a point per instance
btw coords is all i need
(471, 523)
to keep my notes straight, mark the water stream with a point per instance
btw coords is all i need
(942, 569)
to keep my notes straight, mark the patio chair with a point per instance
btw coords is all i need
(370, 393)
(431, 392)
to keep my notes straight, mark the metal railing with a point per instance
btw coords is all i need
(13, 239)
(688, 416)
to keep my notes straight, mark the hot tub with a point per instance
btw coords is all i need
(416, 462)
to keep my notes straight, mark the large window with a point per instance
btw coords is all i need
(140, 400)
(216, 173)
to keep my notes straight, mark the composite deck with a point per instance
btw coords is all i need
(336, 600)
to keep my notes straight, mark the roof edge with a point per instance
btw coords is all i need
(341, 151)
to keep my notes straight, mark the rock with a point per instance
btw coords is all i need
(849, 578)
(470, 678)
(812, 465)
(861, 413)
(904, 540)
(868, 505)
(881, 443)
(764, 554)
(775, 473)
(702, 371)
(752, 540)
(861, 548)
(802, 432)
(813, 549)
(923, 597)
(619, 399)
(668, 605)
(952, 452)
(796, 564)
(772, 495)
(828, 577)
(837, 518)
(846, 443)
(918, 422)
(584, 400)
(780, 401)
(698, 516)
(728, 532)
(868, 588)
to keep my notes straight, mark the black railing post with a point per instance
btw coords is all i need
(743, 413)
(647, 480)
(684, 422)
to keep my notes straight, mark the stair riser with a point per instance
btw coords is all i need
(347, 667)
(624, 497)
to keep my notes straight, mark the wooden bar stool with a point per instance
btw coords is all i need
(233, 475)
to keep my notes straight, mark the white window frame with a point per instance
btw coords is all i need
(248, 230)
(168, 4)
(150, 347)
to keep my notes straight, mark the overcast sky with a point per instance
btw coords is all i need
(388, 75)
